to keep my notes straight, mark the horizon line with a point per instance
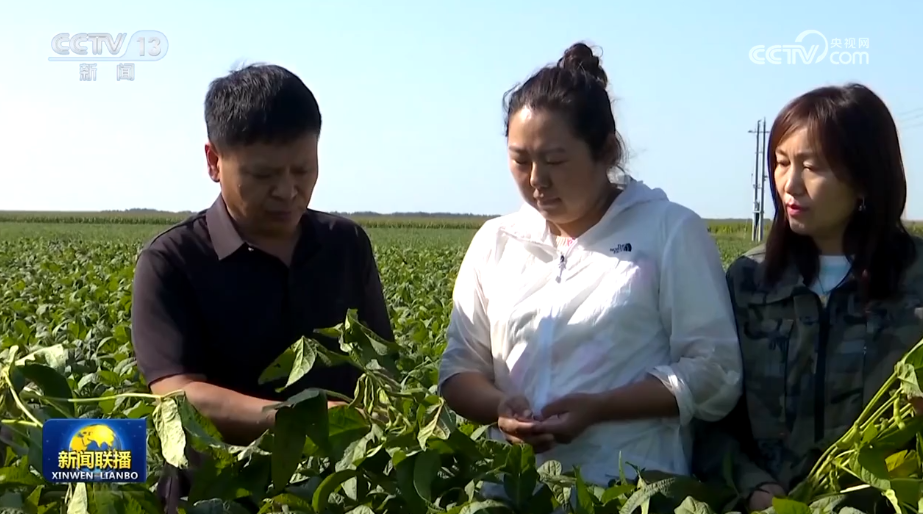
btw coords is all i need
(186, 213)
(341, 213)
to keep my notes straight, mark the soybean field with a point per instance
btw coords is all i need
(65, 351)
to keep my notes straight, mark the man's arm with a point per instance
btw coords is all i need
(168, 349)
(239, 418)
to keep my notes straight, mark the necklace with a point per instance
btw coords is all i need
(825, 291)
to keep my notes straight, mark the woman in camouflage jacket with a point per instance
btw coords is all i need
(832, 300)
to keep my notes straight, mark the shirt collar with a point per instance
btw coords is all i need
(225, 238)
(790, 284)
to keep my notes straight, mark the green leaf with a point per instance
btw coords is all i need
(362, 509)
(692, 506)
(287, 445)
(786, 506)
(293, 364)
(55, 356)
(329, 486)
(369, 347)
(313, 404)
(407, 489)
(432, 428)
(903, 464)
(11, 502)
(169, 428)
(217, 506)
(896, 439)
(827, 505)
(586, 502)
(52, 384)
(345, 426)
(425, 468)
(78, 503)
(520, 476)
(293, 426)
(907, 374)
(11, 476)
(33, 501)
(482, 507)
(102, 500)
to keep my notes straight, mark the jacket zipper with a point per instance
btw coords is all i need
(820, 369)
(562, 261)
(562, 256)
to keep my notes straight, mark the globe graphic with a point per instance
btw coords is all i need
(94, 438)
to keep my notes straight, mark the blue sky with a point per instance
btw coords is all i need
(411, 94)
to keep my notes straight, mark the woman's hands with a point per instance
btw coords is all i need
(561, 421)
(567, 417)
(517, 422)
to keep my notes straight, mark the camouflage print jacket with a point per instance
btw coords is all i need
(808, 370)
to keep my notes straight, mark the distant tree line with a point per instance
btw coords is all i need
(363, 214)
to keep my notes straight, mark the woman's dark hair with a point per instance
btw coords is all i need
(856, 134)
(576, 88)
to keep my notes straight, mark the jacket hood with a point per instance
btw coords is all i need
(531, 226)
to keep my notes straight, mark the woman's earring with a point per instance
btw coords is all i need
(862, 205)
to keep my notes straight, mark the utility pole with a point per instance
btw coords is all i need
(754, 229)
(760, 175)
(764, 161)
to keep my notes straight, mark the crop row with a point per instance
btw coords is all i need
(65, 307)
(368, 220)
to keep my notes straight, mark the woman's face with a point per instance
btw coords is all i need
(554, 170)
(817, 203)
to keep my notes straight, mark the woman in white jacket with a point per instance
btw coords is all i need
(595, 322)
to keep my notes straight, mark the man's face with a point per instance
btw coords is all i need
(267, 187)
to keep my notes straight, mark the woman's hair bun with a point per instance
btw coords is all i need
(581, 57)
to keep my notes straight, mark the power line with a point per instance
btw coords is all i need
(909, 119)
(911, 111)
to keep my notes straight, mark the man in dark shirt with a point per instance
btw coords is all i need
(217, 297)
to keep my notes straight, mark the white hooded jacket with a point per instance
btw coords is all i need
(641, 292)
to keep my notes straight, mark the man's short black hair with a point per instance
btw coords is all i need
(259, 103)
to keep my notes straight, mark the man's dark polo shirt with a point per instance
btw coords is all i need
(206, 302)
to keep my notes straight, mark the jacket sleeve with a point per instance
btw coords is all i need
(705, 375)
(468, 347)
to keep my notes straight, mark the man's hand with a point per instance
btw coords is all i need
(761, 498)
(917, 403)
(516, 421)
(567, 417)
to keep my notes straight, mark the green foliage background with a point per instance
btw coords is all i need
(65, 352)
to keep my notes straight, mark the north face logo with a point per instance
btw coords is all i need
(619, 248)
